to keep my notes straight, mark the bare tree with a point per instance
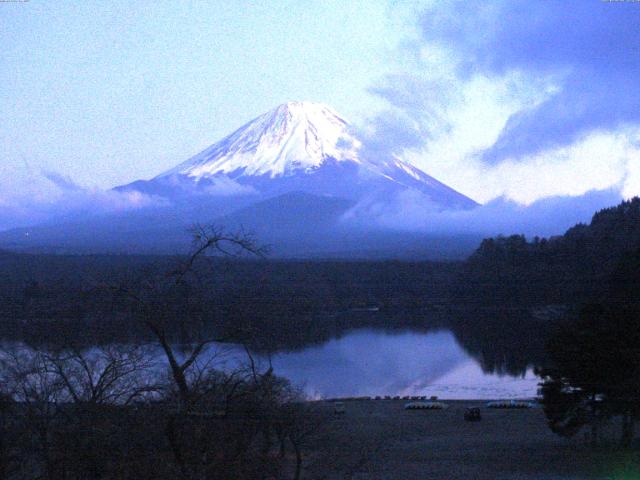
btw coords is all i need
(173, 308)
(27, 380)
(175, 300)
(69, 403)
(106, 375)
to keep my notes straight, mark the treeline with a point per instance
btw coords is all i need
(513, 296)
(579, 298)
(290, 304)
(574, 268)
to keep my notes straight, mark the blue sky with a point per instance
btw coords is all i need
(108, 92)
(518, 100)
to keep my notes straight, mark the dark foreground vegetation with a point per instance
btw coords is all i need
(108, 414)
(71, 412)
(593, 372)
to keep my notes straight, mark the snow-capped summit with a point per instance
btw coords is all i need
(295, 136)
(297, 147)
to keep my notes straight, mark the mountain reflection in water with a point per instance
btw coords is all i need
(479, 352)
(374, 362)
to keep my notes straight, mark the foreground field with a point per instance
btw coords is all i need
(378, 439)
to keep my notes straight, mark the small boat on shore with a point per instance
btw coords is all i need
(425, 406)
(510, 404)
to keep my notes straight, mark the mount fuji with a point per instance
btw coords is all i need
(297, 177)
(297, 147)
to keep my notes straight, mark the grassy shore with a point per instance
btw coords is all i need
(378, 439)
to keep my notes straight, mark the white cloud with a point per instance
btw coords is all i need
(413, 211)
(631, 186)
(598, 161)
(460, 118)
(458, 103)
(50, 196)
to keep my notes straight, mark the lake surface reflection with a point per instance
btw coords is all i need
(374, 362)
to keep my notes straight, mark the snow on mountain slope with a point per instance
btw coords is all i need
(298, 146)
(294, 136)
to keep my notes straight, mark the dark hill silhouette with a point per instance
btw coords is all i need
(571, 268)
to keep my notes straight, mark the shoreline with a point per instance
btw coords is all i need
(394, 443)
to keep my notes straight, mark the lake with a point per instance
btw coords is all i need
(380, 362)
(368, 362)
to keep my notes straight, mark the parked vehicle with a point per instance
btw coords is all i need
(472, 414)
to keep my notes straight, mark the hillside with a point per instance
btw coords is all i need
(571, 268)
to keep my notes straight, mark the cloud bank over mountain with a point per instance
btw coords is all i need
(411, 212)
(518, 99)
(589, 49)
(53, 197)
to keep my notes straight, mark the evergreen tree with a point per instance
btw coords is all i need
(594, 371)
